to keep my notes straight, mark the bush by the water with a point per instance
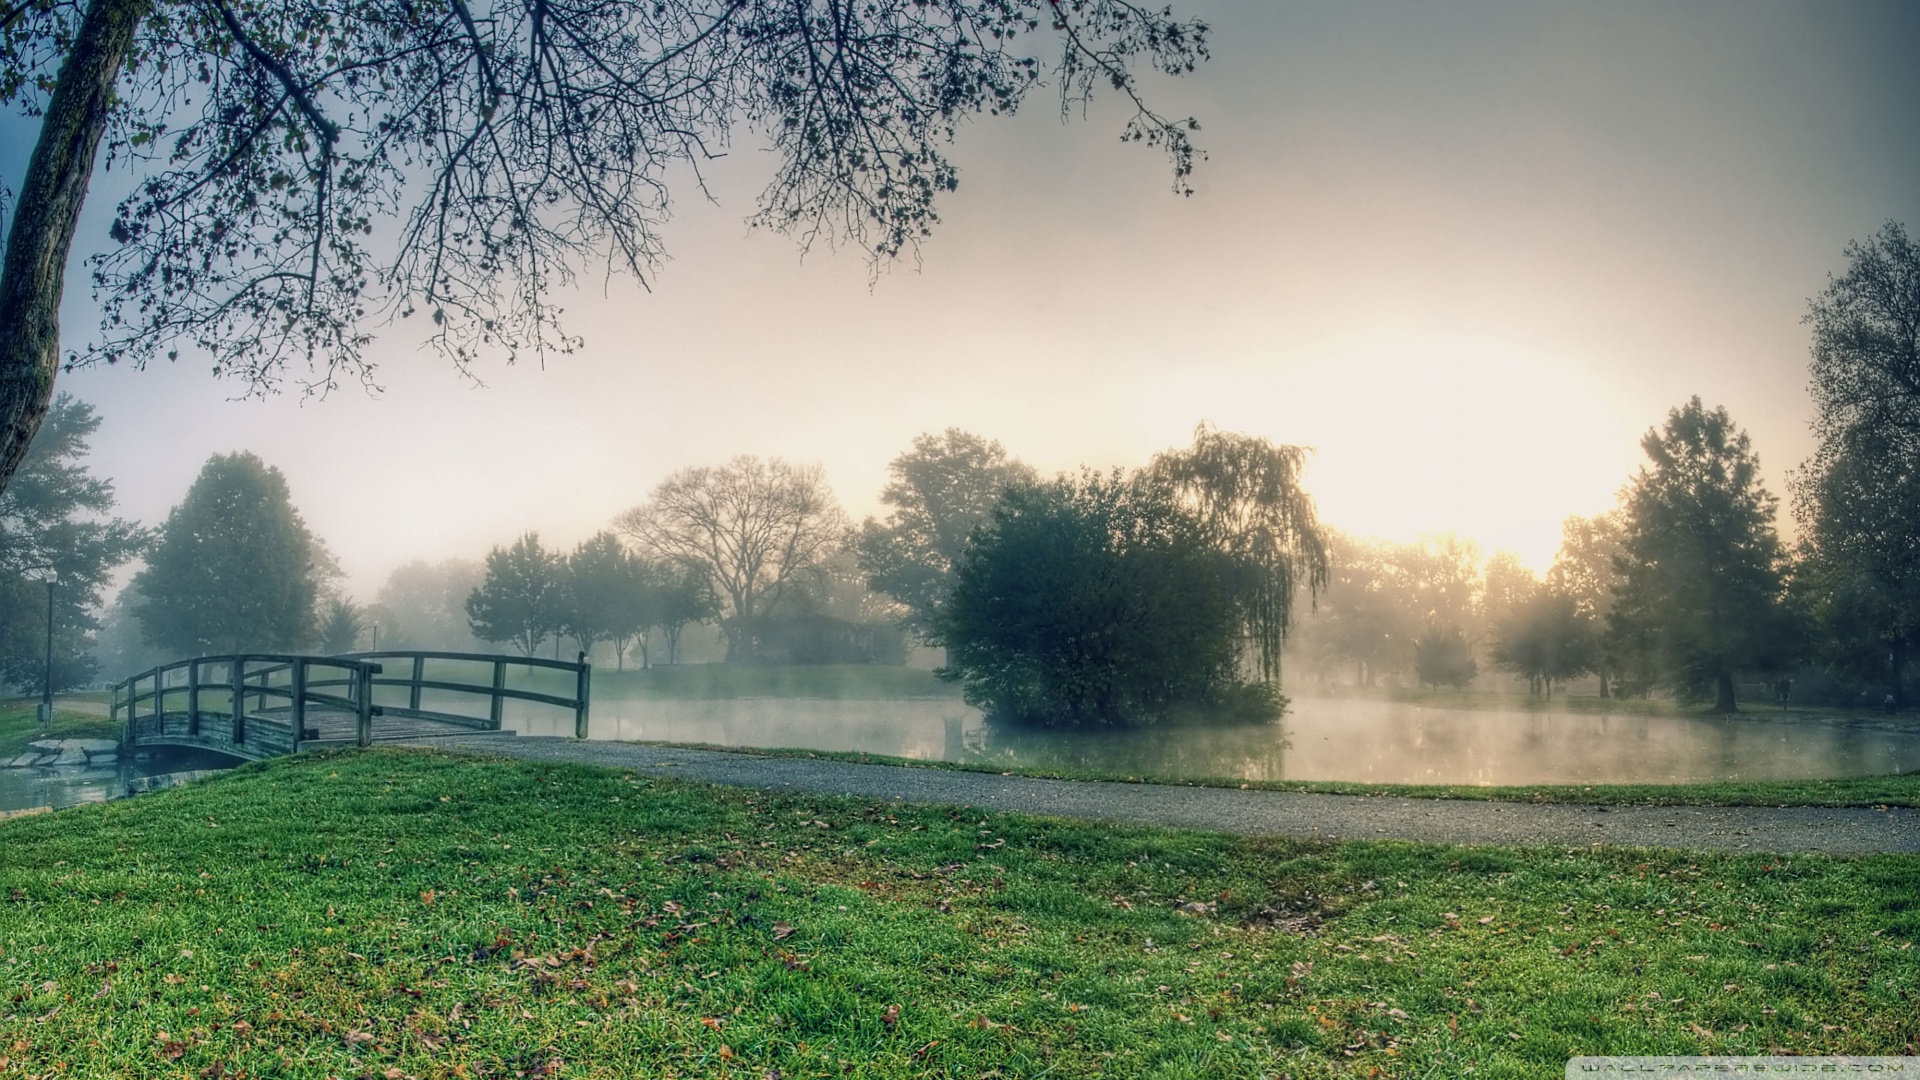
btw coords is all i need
(1098, 602)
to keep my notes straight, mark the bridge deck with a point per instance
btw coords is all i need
(270, 733)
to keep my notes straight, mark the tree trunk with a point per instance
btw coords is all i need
(1723, 694)
(35, 268)
(1603, 684)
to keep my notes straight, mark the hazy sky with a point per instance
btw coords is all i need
(1467, 251)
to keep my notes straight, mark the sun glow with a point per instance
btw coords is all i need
(1414, 437)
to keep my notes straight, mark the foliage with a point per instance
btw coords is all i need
(520, 599)
(341, 626)
(1095, 602)
(1859, 511)
(1866, 343)
(1700, 588)
(941, 490)
(1547, 639)
(234, 568)
(1247, 495)
(429, 915)
(833, 617)
(51, 526)
(602, 595)
(682, 599)
(1586, 570)
(1442, 656)
(1858, 500)
(748, 529)
(302, 172)
(1361, 621)
(424, 606)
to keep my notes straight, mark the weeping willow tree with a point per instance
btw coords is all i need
(1247, 494)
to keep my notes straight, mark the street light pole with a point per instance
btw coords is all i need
(46, 697)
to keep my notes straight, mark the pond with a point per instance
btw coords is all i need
(70, 785)
(1349, 739)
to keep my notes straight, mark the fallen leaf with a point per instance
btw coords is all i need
(711, 1022)
(782, 931)
(891, 1016)
(427, 898)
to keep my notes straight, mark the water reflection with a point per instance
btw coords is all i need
(1320, 739)
(71, 785)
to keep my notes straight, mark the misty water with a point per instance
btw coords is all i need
(1319, 739)
(71, 785)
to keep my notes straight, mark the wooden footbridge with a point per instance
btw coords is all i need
(261, 705)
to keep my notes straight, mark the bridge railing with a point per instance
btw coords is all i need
(258, 703)
(233, 701)
(407, 672)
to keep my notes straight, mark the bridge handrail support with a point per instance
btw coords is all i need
(582, 692)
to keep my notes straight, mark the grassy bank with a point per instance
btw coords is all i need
(1899, 790)
(409, 914)
(830, 681)
(19, 725)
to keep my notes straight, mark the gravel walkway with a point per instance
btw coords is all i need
(1853, 831)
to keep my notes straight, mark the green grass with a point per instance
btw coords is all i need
(397, 914)
(19, 725)
(1893, 790)
(832, 681)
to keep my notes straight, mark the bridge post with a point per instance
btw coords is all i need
(113, 716)
(497, 711)
(299, 711)
(237, 669)
(363, 699)
(419, 673)
(193, 697)
(582, 687)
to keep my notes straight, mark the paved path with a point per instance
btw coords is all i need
(1263, 813)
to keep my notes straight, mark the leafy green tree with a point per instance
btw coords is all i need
(1586, 571)
(235, 568)
(1858, 500)
(519, 600)
(1700, 565)
(1859, 512)
(424, 606)
(1096, 602)
(1866, 342)
(941, 490)
(304, 170)
(1546, 639)
(341, 626)
(750, 529)
(1363, 620)
(1442, 656)
(607, 596)
(1247, 495)
(52, 527)
(681, 599)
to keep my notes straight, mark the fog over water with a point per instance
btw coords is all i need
(1366, 741)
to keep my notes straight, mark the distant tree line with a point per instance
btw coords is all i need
(1086, 599)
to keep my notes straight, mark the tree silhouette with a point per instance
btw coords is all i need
(305, 170)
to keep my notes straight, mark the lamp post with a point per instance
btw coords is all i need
(45, 712)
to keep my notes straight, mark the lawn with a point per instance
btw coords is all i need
(1901, 789)
(404, 913)
(19, 725)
